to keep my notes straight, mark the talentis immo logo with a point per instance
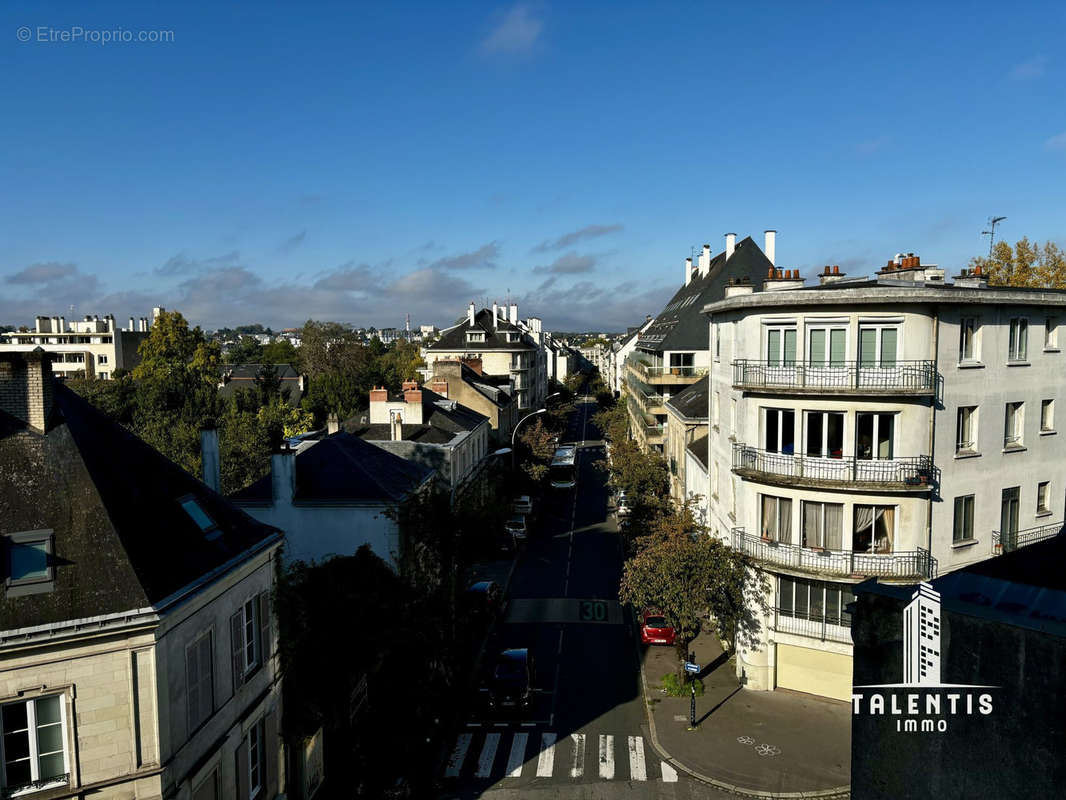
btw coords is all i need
(927, 708)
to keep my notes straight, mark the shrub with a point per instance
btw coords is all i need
(678, 687)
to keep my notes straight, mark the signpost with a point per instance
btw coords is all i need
(693, 669)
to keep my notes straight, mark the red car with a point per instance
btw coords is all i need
(654, 628)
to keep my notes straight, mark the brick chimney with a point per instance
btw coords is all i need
(474, 364)
(409, 385)
(830, 274)
(379, 394)
(413, 396)
(26, 387)
(439, 386)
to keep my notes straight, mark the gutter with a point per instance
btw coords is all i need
(932, 432)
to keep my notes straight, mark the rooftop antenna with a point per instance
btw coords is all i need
(991, 232)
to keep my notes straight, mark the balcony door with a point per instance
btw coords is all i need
(780, 431)
(826, 351)
(781, 356)
(877, 355)
(874, 529)
(823, 445)
(1008, 517)
(875, 447)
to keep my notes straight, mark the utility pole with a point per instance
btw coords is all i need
(991, 232)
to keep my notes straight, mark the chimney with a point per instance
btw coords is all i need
(62, 324)
(395, 425)
(26, 387)
(439, 386)
(705, 260)
(830, 274)
(156, 312)
(737, 286)
(132, 329)
(782, 280)
(470, 315)
(770, 246)
(283, 476)
(474, 364)
(688, 271)
(408, 385)
(730, 245)
(209, 457)
(514, 313)
(333, 423)
(379, 394)
(495, 314)
(413, 396)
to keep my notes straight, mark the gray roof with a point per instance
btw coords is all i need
(699, 448)
(691, 403)
(454, 339)
(243, 376)
(681, 326)
(442, 419)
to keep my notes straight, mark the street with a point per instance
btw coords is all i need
(585, 732)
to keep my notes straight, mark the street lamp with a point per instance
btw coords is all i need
(514, 434)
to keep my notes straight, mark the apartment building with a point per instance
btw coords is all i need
(671, 352)
(85, 348)
(896, 427)
(620, 350)
(137, 632)
(466, 384)
(686, 421)
(494, 341)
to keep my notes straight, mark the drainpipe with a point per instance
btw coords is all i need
(932, 434)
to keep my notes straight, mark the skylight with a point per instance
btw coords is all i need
(200, 517)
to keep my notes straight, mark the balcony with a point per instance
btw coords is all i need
(1009, 541)
(653, 374)
(651, 403)
(912, 378)
(911, 474)
(800, 625)
(844, 563)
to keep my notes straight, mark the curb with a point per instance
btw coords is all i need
(838, 793)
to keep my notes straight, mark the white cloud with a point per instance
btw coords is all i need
(484, 257)
(1027, 70)
(1056, 142)
(569, 264)
(568, 239)
(517, 32)
(292, 243)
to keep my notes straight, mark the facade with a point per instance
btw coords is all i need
(686, 421)
(493, 340)
(464, 383)
(621, 349)
(671, 352)
(333, 496)
(137, 635)
(697, 477)
(854, 427)
(86, 348)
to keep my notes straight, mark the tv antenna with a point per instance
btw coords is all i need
(991, 232)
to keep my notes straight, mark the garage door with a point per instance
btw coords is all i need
(814, 671)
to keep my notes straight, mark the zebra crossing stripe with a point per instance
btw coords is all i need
(669, 773)
(546, 759)
(606, 756)
(638, 770)
(518, 755)
(488, 755)
(577, 760)
(455, 762)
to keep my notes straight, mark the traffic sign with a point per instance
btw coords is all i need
(690, 667)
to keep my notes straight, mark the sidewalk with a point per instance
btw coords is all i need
(756, 743)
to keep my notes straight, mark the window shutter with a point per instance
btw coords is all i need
(773, 347)
(271, 746)
(888, 347)
(837, 338)
(207, 677)
(1023, 339)
(192, 683)
(790, 347)
(817, 353)
(242, 770)
(265, 642)
(236, 638)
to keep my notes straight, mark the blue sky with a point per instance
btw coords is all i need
(277, 162)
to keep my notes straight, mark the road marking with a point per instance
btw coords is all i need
(606, 756)
(518, 755)
(488, 755)
(500, 724)
(577, 759)
(669, 773)
(546, 759)
(455, 763)
(638, 770)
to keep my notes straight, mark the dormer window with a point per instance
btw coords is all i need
(29, 567)
(475, 336)
(200, 517)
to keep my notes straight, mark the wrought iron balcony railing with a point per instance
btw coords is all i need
(33, 786)
(1008, 541)
(908, 473)
(844, 377)
(902, 564)
(791, 621)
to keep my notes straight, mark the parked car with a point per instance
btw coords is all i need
(512, 678)
(516, 526)
(621, 505)
(523, 504)
(654, 629)
(483, 600)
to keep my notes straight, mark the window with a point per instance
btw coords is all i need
(968, 339)
(1008, 511)
(781, 347)
(717, 342)
(780, 431)
(101, 360)
(1013, 425)
(874, 529)
(199, 678)
(966, 430)
(825, 434)
(826, 346)
(1043, 497)
(1018, 349)
(874, 435)
(777, 519)
(814, 600)
(877, 346)
(963, 529)
(1051, 333)
(34, 743)
(1047, 415)
(823, 525)
(256, 758)
(250, 637)
(475, 336)
(200, 517)
(29, 567)
(102, 376)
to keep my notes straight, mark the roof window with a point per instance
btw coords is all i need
(200, 517)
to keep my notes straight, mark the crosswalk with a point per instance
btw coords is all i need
(531, 756)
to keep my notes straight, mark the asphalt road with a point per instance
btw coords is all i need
(585, 734)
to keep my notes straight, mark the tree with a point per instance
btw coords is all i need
(1027, 264)
(400, 364)
(279, 352)
(117, 397)
(247, 350)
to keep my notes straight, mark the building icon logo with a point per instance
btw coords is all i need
(921, 638)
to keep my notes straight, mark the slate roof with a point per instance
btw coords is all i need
(454, 339)
(122, 539)
(699, 448)
(681, 325)
(342, 467)
(691, 403)
(242, 376)
(442, 420)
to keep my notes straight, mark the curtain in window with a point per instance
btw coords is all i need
(888, 347)
(812, 525)
(790, 347)
(773, 347)
(867, 347)
(769, 516)
(784, 535)
(884, 529)
(837, 338)
(834, 526)
(816, 355)
(862, 531)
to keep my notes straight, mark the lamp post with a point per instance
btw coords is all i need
(514, 433)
